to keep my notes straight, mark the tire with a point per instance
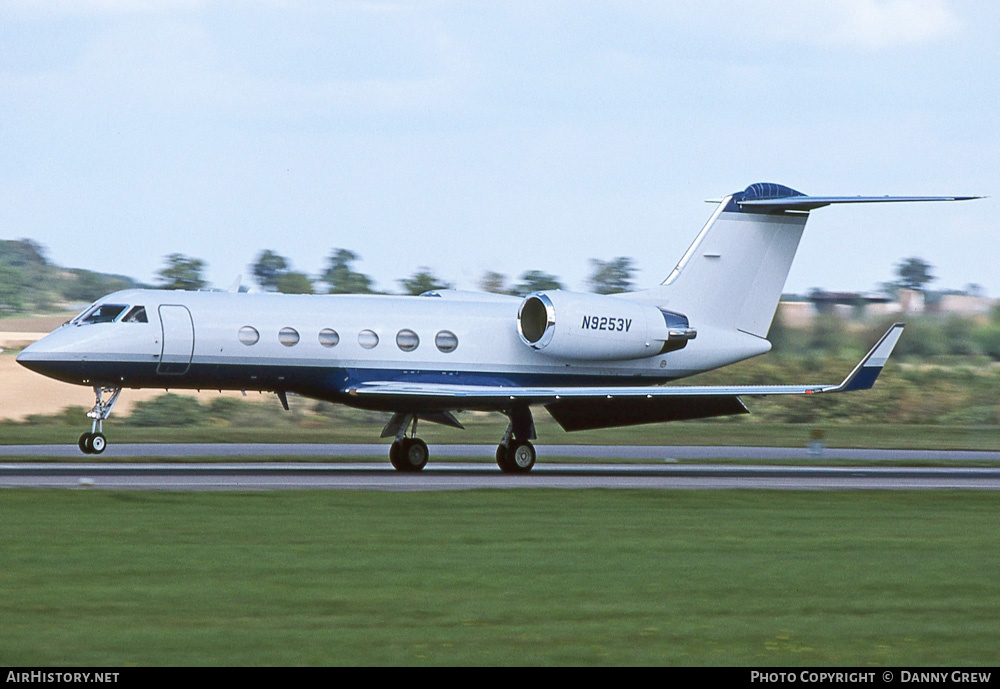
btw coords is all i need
(396, 456)
(409, 454)
(502, 459)
(97, 443)
(415, 454)
(85, 443)
(522, 456)
(519, 458)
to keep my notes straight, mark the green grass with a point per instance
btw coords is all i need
(499, 577)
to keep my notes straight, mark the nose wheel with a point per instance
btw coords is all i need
(94, 442)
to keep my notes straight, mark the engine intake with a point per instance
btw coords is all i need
(600, 328)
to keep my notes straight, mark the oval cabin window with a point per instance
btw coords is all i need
(367, 339)
(329, 337)
(249, 335)
(288, 337)
(407, 340)
(446, 341)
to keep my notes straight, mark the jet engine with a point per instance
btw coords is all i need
(599, 328)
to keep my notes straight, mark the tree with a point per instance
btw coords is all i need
(27, 280)
(86, 285)
(182, 272)
(612, 276)
(23, 253)
(913, 274)
(536, 281)
(494, 282)
(268, 269)
(294, 282)
(423, 281)
(12, 284)
(341, 278)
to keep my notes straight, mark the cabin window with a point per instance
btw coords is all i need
(407, 340)
(446, 341)
(367, 339)
(329, 337)
(104, 313)
(249, 335)
(288, 337)
(136, 315)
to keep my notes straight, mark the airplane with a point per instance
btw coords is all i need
(592, 361)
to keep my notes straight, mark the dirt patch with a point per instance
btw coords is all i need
(34, 324)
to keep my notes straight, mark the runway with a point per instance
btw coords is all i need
(467, 476)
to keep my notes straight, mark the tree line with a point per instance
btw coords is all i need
(274, 273)
(29, 282)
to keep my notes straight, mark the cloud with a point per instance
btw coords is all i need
(883, 24)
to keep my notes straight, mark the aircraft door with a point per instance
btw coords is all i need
(178, 340)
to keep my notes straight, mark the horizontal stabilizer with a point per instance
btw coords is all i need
(808, 203)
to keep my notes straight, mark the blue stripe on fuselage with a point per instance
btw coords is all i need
(319, 382)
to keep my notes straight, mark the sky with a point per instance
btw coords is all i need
(505, 136)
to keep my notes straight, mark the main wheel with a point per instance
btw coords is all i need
(502, 458)
(396, 456)
(409, 454)
(518, 458)
(415, 454)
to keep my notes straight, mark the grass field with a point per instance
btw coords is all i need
(499, 577)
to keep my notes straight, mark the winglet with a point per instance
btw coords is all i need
(864, 374)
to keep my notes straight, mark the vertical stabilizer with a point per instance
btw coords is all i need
(733, 274)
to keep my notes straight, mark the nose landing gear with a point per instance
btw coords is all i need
(94, 442)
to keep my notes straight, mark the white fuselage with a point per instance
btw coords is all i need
(320, 346)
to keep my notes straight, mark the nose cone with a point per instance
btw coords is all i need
(29, 354)
(35, 356)
(48, 357)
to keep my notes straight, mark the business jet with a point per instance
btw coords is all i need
(592, 361)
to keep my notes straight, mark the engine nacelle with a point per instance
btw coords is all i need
(599, 328)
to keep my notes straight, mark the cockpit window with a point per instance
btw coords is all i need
(103, 313)
(136, 315)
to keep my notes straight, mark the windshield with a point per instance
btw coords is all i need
(103, 313)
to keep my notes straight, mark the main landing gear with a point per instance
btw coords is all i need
(515, 454)
(94, 442)
(408, 454)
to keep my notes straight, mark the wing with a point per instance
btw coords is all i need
(576, 408)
